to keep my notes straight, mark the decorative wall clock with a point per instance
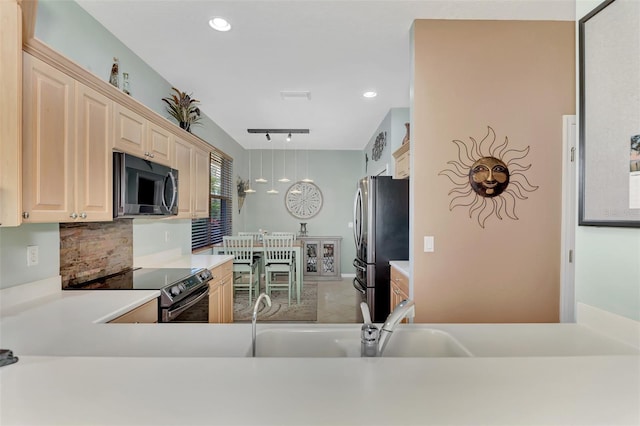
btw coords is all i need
(303, 204)
(378, 145)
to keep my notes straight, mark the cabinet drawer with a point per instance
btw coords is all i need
(221, 271)
(400, 280)
(147, 313)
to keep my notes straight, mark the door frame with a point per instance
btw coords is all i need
(569, 216)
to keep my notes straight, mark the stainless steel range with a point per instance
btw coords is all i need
(183, 291)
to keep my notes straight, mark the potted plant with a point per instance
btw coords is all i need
(183, 108)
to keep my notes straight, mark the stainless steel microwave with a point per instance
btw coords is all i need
(143, 188)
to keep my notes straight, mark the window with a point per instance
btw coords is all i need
(209, 231)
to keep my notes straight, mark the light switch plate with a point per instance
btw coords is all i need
(428, 244)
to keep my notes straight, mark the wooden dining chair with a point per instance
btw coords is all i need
(257, 236)
(279, 261)
(244, 264)
(284, 234)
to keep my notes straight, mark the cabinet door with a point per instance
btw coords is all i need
(311, 257)
(329, 252)
(215, 300)
(130, 131)
(160, 143)
(48, 142)
(182, 161)
(94, 174)
(145, 314)
(10, 114)
(200, 183)
(227, 299)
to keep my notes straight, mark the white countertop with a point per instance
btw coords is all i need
(402, 266)
(75, 370)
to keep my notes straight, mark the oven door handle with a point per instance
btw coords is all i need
(357, 263)
(172, 313)
(357, 284)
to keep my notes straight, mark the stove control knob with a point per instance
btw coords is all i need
(175, 290)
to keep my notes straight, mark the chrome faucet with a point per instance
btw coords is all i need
(254, 319)
(373, 341)
(405, 308)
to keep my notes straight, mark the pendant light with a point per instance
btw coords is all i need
(250, 190)
(307, 178)
(272, 191)
(284, 178)
(261, 179)
(295, 190)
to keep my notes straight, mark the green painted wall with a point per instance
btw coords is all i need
(336, 173)
(393, 124)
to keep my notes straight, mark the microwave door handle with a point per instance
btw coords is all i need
(171, 178)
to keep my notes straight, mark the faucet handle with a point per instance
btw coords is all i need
(366, 314)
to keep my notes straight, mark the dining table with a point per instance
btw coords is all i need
(258, 247)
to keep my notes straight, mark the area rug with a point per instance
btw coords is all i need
(305, 311)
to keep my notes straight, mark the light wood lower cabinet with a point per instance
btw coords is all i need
(147, 313)
(399, 288)
(67, 171)
(221, 294)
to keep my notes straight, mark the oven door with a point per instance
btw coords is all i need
(194, 308)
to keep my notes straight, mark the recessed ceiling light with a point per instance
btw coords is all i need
(219, 24)
(370, 94)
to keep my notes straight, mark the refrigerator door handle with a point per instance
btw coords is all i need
(358, 286)
(357, 219)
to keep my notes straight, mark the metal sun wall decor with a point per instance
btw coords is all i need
(378, 146)
(487, 178)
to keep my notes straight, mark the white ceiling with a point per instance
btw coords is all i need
(336, 49)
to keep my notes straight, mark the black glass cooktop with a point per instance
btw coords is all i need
(136, 279)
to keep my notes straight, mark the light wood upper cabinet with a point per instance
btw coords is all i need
(192, 164)
(10, 113)
(137, 136)
(160, 142)
(48, 143)
(201, 183)
(67, 171)
(94, 171)
(402, 162)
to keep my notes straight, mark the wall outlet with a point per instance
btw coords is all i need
(350, 225)
(429, 244)
(32, 255)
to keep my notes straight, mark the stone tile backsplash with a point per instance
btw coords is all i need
(91, 250)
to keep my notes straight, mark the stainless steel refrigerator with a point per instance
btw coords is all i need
(381, 233)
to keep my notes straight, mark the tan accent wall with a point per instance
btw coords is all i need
(519, 78)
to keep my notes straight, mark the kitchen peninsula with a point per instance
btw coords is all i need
(123, 373)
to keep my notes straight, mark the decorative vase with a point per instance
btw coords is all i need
(303, 230)
(186, 126)
(115, 73)
(406, 137)
(125, 83)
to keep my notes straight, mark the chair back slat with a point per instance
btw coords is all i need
(284, 234)
(257, 236)
(278, 249)
(241, 248)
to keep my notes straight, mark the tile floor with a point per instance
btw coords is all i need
(338, 302)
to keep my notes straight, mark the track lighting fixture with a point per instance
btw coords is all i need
(289, 137)
(268, 137)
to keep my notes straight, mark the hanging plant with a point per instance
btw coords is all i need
(183, 108)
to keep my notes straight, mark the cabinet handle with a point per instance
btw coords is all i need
(83, 215)
(25, 215)
(152, 155)
(73, 215)
(146, 153)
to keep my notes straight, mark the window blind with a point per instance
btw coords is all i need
(209, 231)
